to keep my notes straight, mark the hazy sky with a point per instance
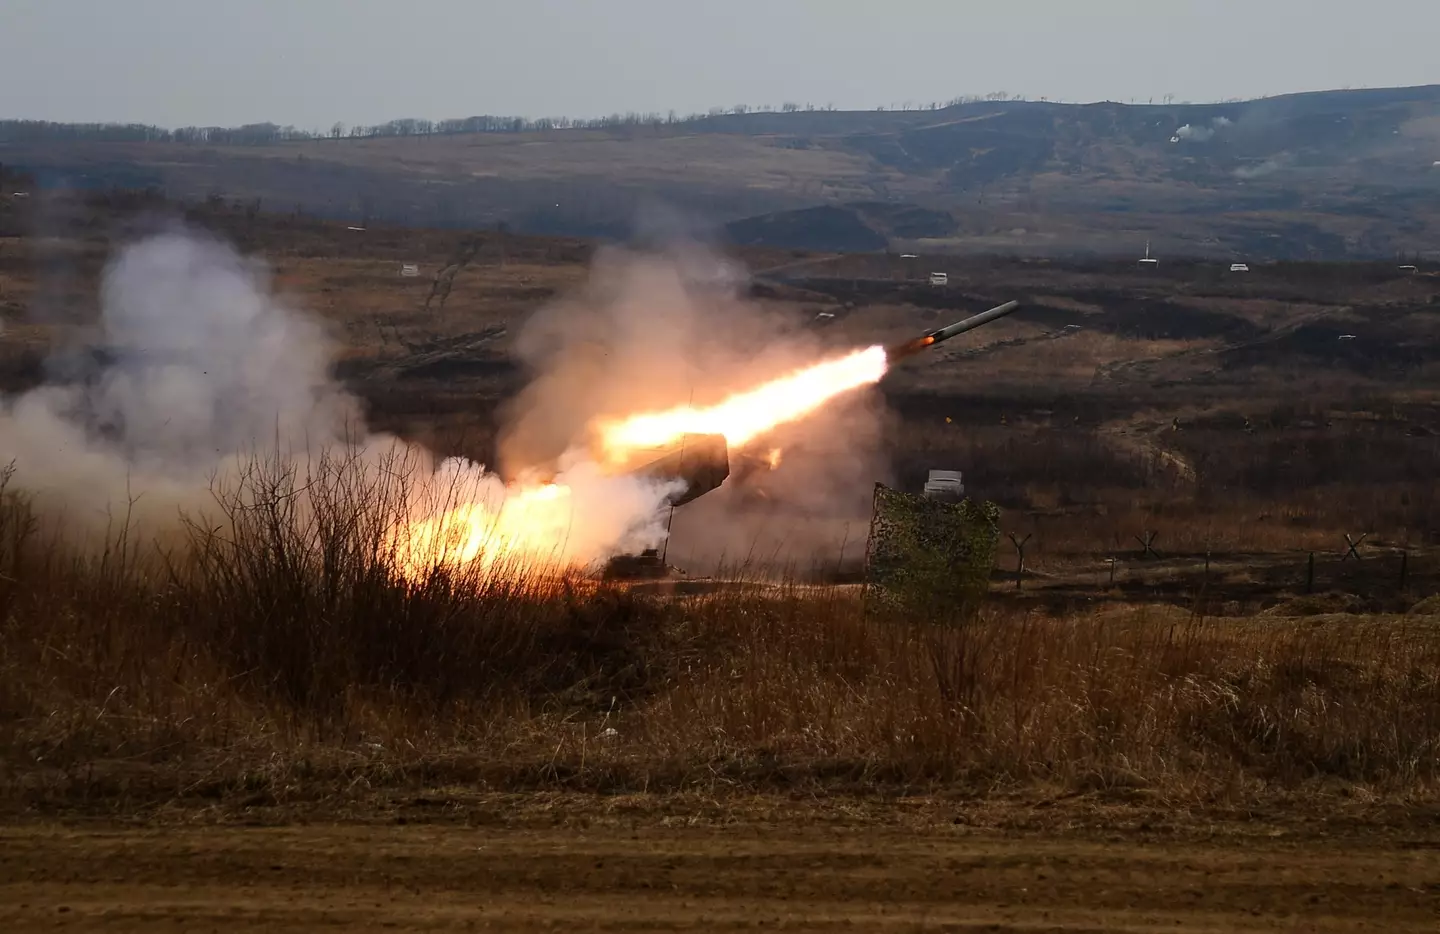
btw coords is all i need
(313, 62)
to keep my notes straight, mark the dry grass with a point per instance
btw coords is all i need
(282, 659)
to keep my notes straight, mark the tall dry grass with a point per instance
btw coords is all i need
(277, 655)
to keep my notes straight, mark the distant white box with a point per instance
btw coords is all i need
(1239, 267)
(939, 278)
(945, 484)
(409, 270)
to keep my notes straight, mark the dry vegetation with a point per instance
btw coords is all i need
(284, 663)
(281, 661)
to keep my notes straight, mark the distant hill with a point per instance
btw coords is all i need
(1330, 174)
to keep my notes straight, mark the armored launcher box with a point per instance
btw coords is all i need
(702, 462)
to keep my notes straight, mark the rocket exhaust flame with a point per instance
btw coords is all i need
(527, 529)
(746, 415)
(529, 525)
(903, 350)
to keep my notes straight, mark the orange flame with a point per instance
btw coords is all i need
(529, 529)
(746, 415)
(526, 531)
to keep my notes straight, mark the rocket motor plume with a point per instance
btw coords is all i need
(745, 415)
(530, 524)
(901, 351)
(528, 527)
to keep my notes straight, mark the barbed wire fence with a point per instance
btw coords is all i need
(940, 559)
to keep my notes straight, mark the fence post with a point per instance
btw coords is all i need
(1112, 570)
(1019, 544)
(1404, 567)
(1310, 574)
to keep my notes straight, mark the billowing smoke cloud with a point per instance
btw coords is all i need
(201, 369)
(1200, 134)
(206, 360)
(197, 365)
(651, 331)
(646, 332)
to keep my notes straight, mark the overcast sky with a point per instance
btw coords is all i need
(314, 62)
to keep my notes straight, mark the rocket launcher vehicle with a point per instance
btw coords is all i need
(703, 462)
(700, 462)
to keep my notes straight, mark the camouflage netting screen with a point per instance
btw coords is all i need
(929, 556)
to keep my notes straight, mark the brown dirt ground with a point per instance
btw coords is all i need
(612, 866)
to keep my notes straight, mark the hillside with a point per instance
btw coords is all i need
(1331, 174)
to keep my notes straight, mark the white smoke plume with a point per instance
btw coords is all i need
(1262, 169)
(1200, 134)
(648, 331)
(201, 369)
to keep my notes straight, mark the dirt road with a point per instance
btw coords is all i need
(657, 877)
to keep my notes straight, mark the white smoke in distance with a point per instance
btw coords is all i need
(1268, 167)
(1201, 134)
